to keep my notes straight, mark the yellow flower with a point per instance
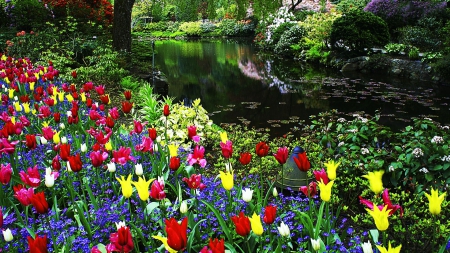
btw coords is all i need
(26, 107)
(69, 97)
(375, 181)
(60, 96)
(54, 99)
(255, 222)
(196, 102)
(173, 150)
(164, 241)
(325, 190)
(10, 93)
(83, 97)
(435, 201)
(380, 217)
(32, 86)
(108, 146)
(56, 138)
(55, 89)
(390, 249)
(127, 190)
(227, 180)
(224, 137)
(331, 169)
(17, 106)
(142, 188)
(13, 120)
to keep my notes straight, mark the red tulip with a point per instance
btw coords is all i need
(64, 151)
(152, 133)
(157, 190)
(74, 74)
(194, 182)
(216, 245)
(270, 213)
(302, 162)
(98, 157)
(75, 163)
(166, 110)
(31, 177)
(245, 158)
(38, 244)
(282, 155)
(57, 117)
(192, 131)
(89, 102)
(174, 163)
(310, 190)
(5, 174)
(126, 106)
(227, 149)
(122, 241)
(23, 195)
(30, 141)
(100, 90)
(262, 149)
(56, 164)
(110, 122)
(321, 175)
(127, 94)
(39, 202)
(105, 99)
(242, 224)
(176, 233)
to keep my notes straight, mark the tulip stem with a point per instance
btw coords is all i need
(55, 243)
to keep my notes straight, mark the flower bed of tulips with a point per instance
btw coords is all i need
(74, 180)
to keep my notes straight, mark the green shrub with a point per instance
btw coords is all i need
(149, 104)
(413, 53)
(288, 38)
(318, 28)
(228, 27)
(191, 28)
(130, 83)
(395, 48)
(378, 62)
(29, 14)
(358, 30)
(418, 36)
(442, 66)
(345, 6)
(277, 32)
(207, 27)
(156, 26)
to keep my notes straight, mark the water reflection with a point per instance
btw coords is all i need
(237, 85)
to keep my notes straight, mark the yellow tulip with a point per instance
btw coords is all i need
(13, 120)
(108, 145)
(375, 181)
(331, 169)
(32, 86)
(173, 150)
(69, 97)
(255, 222)
(26, 107)
(10, 93)
(164, 241)
(380, 217)
(55, 100)
(325, 190)
(435, 201)
(60, 96)
(390, 249)
(227, 180)
(56, 138)
(224, 137)
(54, 88)
(142, 188)
(127, 190)
(83, 97)
(17, 106)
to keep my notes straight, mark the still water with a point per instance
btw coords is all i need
(236, 84)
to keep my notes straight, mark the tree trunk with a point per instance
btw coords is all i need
(122, 25)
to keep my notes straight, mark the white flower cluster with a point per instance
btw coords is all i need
(352, 130)
(437, 139)
(445, 158)
(365, 151)
(341, 144)
(424, 170)
(417, 152)
(341, 120)
(363, 120)
(445, 127)
(391, 168)
(283, 16)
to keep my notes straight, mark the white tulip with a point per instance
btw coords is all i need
(43, 140)
(64, 140)
(315, 244)
(111, 167)
(138, 169)
(83, 147)
(367, 247)
(7, 235)
(49, 180)
(284, 230)
(247, 194)
(62, 126)
(275, 192)
(184, 207)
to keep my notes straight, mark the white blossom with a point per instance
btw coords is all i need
(417, 152)
(284, 230)
(437, 139)
(424, 170)
(365, 151)
(247, 194)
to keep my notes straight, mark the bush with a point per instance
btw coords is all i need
(395, 48)
(156, 26)
(277, 32)
(191, 28)
(418, 36)
(87, 11)
(388, 10)
(318, 28)
(288, 38)
(28, 14)
(442, 66)
(345, 6)
(358, 30)
(207, 27)
(228, 27)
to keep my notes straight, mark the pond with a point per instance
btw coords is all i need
(237, 84)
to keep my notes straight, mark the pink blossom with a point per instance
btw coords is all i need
(197, 157)
(122, 155)
(31, 177)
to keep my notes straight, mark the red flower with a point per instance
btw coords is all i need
(75, 163)
(56, 165)
(310, 190)
(176, 233)
(122, 241)
(195, 182)
(5, 174)
(262, 149)
(122, 155)
(166, 110)
(110, 122)
(23, 195)
(227, 149)
(100, 90)
(245, 158)
(282, 155)
(31, 177)
(127, 94)
(98, 157)
(242, 224)
(89, 102)
(105, 99)
(57, 117)
(174, 163)
(321, 175)
(30, 140)
(192, 131)
(302, 161)
(39, 202)
(157, 190)
(37, 245)
(386, 202)
(74, 74)
(216, 245)
(270, 213)
(126, 106)
(64, 151)
(152, 133)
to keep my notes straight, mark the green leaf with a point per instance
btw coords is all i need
(222, 222)
(398, 149)
(428, 177)
(375, 235)
(191, 235)
(151, 206)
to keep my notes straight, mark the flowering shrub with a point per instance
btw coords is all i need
(27, 14)
(97, 10)
(269, 26)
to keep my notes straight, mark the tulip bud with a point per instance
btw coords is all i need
(43, 140)
(367, 247)
(7, 235)
(315, 244)
(275, 192)
(138, 169)
(247, 195)
(64, 140)
(183, 207)
(284, 230)
(68, 167)
(83, 147)
(62, 126)
(49, 180)
(111, 167)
